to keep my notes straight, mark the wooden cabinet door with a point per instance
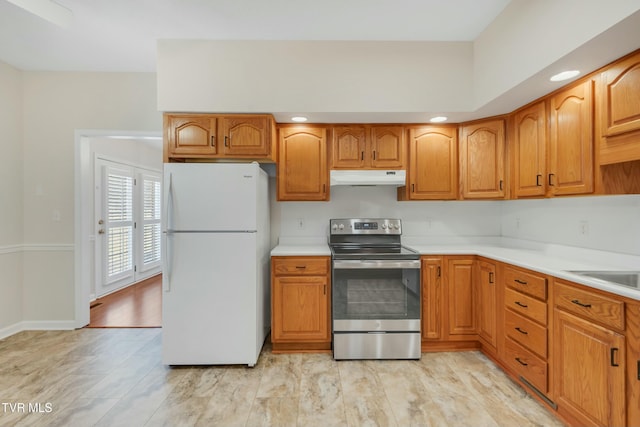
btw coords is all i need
(302, 165)
(432, 298)
(589, 371)
(348, 147)
(487, 321)
(571, 141)
(433, 163)
(387, 147)
(245, 136)
(482, 160)
(461, 299)
(529, 151)
(620, 97)
(300, 308)
(191, 134)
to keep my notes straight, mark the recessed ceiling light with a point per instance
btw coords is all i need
(299, 119)
(438, 119)
(565, 75)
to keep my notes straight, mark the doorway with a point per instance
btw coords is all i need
(115, 158)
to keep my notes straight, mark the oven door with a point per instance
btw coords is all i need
(376, 295)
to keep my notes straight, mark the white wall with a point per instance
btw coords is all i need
(612, 222)
(11, 189)
(56, 104)
(313, 76)
(433, 220)
(607, 223)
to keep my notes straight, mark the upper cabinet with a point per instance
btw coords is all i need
(433, 164)
(211, 136)
(570, 168)
(482, 160)
(246, 135)
(619, 111)
(529, 151)
(187, 135)
(367, 147)
(302, 163)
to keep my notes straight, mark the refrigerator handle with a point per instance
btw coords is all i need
(169, 201)
(168, 257)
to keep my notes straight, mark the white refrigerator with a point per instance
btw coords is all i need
(215, 300)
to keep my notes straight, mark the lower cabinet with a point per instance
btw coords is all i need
(461, 297)
(432, 298)
(524, 326)
(589, 357)
(487, 309)
(300, 303)
(449, 303)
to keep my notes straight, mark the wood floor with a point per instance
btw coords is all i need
(137, 306)
(115, 377)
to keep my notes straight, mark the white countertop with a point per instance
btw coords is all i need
(557, 261)
(301, 250)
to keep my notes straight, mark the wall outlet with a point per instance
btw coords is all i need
(517, 222)
(55, 215)
(300, 223)
(584, 227)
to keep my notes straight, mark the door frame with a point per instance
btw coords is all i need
(83, 214)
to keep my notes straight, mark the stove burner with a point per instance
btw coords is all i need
(368, 239)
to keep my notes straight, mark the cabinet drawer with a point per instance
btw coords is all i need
(526, 305)
(590, 305)
(526, 282)
(287, 266)
(526, 332)
(526, 364)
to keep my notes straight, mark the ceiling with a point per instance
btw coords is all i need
(120, 35)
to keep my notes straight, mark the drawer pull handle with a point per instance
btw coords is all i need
(639, 369)
(577, 302)
(521, 331)
(521, 362)
(213, 141)
(538, 180)
(521, 304)
(614, 350)
(491, 277)
(301, 267)
(522, 282)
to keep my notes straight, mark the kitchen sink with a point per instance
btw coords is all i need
(624, 278)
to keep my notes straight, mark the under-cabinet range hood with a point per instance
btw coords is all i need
(395, 178)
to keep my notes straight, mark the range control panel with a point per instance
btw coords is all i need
(365, 226)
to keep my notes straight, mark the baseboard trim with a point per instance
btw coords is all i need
(11, 330)
(37, 325)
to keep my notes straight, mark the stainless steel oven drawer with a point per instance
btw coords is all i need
(376, 345)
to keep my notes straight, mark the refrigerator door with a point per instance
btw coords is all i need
(209, 303)
(210, 197)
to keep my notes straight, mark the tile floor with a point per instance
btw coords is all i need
(114, 377)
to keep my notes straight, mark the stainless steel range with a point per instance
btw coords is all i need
(376, 290)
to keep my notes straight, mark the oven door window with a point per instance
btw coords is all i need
(378, 293)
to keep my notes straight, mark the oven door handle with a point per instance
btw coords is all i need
(375, 263)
